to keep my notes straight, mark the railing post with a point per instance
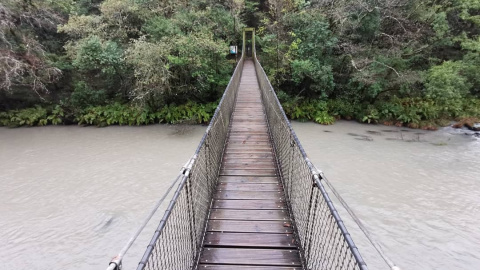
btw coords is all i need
(191, 216)
(290, 166)
(207, 176)
(311, 218)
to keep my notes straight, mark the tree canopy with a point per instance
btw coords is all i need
(399, 61)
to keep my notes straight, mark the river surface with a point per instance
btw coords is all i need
(70, 197)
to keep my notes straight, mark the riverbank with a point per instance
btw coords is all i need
(408, 112)
(414, 113)
(107, 115)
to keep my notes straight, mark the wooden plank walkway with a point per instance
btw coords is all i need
(249, 226)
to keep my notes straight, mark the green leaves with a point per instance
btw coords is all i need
(94, 54)
(159, 27)
(124, 114)
(151, 69)
(84, 96)
(36, 116)
(316, 78)
(322, 117)
(445, 82)
(313, 110)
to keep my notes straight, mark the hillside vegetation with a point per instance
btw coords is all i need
(132, 62)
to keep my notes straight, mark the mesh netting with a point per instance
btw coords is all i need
(178, 239)
(322, 238)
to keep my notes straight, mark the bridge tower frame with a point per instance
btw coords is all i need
(245, 30)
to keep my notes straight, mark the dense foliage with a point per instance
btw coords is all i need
(399, 62)
(102, 62)
(114, 61)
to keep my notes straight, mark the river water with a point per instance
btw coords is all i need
(71, 196)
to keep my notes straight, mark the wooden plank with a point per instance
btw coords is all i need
(249, 142)
(258, 257)
(257, 119)
(248, 204)
(249, 131)
(254, 214)
(249, 172)
(248, 195)
(253, 166)
(243, 267)
(249, 127)
(248, 151)
(252, 130)
(251, 186)
(248, 121)
(250, 161)
(247, 155)
(254, 226)
(249, 101)
(249, 148)
(246, 165)
(269, 165)
(249, 124)
(240, 150)
(246, 111)
(247, 179)
(242, 158)
(241, 126)
(248, 208)
(249, 240)
(234, 136)
(249, 115)
(246, 140)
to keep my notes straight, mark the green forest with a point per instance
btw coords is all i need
(135, 62)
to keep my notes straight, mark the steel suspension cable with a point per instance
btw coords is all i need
(116, 262)
(359, 223)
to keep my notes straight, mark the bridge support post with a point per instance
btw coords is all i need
(191, 210)
(245, 30)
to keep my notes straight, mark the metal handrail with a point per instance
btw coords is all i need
(304, 201)
(178, 239)
(322, 238)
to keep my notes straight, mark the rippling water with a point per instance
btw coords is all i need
(70, 197)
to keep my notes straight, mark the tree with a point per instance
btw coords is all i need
(24, 54)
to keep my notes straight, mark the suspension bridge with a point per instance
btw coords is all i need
(250, 198)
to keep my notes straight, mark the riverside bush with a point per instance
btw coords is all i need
(111, 114)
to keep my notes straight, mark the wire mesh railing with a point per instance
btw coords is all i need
(323, 239)
(321, 236)
(177, 242)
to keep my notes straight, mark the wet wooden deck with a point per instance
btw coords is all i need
(249, 227)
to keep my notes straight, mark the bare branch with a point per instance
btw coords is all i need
(387, 66)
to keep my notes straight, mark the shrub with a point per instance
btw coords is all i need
(83, 96)
(26, 117)
(445, 83)
(342, 108)
(322, 117)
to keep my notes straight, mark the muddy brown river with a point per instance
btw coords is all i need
(70, 197)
